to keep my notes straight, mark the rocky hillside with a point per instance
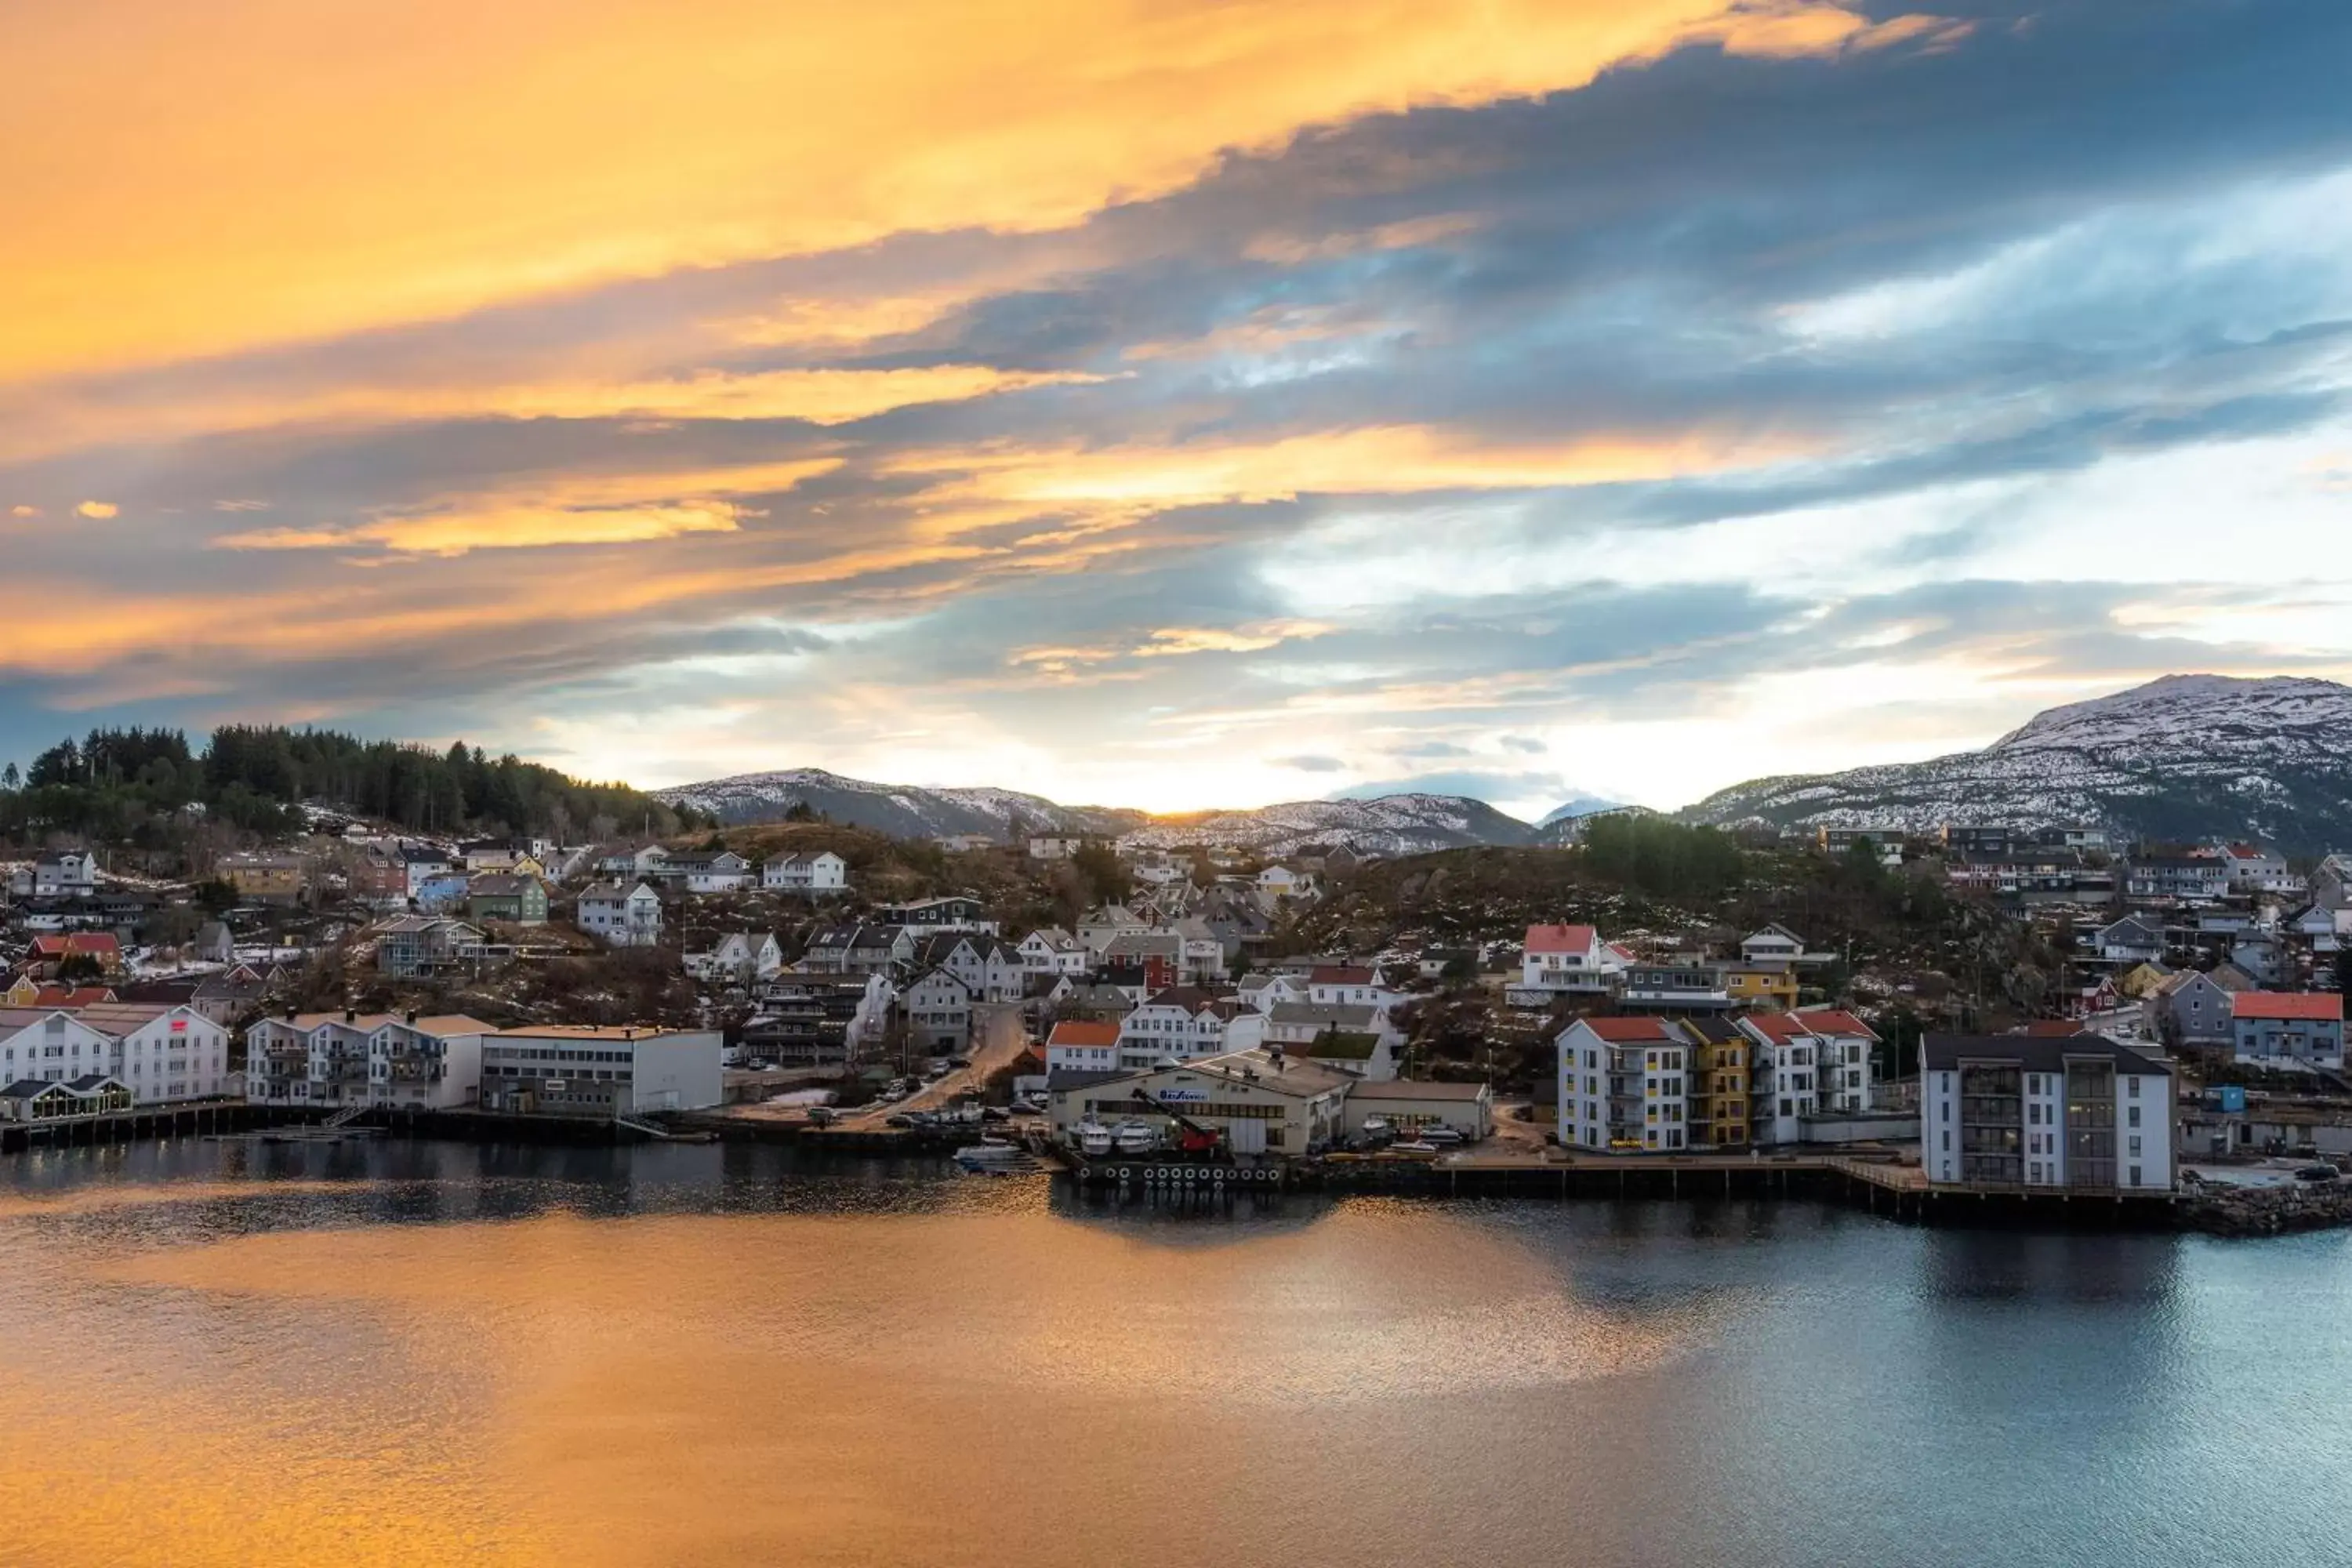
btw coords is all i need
(2186, 757)
(1391, 825)
(902, 811)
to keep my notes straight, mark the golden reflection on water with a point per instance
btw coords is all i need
(973, 1389)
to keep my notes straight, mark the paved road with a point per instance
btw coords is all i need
(997, 1038)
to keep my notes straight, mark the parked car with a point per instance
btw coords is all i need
(959, 1061)
(901, 1120)
(1442, 1135)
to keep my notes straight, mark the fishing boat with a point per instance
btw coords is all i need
(1137, 1138)
(1093, 1138)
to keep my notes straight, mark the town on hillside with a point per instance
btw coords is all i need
(1651, 989)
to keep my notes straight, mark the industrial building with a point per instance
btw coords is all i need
(582, 1071)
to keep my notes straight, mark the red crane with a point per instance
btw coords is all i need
(1192, 1137)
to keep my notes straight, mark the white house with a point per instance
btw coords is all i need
(1050, 949)
(741, 957)
(2079, 1112)
(1055, 848)
(2255, 869)
(1182, 1022)
(723, 872)
(938, 1013)
(822, 872)
(1260, 992)
(1347, 986)
(2129, 941)
(1081, 1045)
(989, 967)
(66, 874)
(1283, 882)
(1559, 959)
(1623, 1085)
(1098, 927)
(630, 917)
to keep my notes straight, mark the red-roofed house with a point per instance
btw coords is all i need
(1347, 986)
(2281, 1027)
(1623, 1085)
(49, 952)
(1806, 1063)
(1077, 1045)
(1560, 960)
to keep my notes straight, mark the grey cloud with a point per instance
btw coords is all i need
(1311, 765)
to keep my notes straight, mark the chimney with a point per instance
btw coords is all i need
(289, 1012)
(412, 1014)
(350, 1014)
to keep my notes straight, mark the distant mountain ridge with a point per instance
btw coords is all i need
(2186, 757)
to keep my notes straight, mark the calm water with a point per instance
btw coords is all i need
(423, 1354)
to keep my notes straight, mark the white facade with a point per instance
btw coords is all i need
(1180, 1025)
(630, 919)
(70, 873)
(51, 1046)
(822, 872)
(178, 1053)
(567, 1070)
(1078, 1045)
(1281, 883)
(1569, 959)
(375, 1059)
(1055, 848)
(1052, 951)
(1262, 1103)
(2019, 1112)
(938, 1013)
(741, 957)
(1624, 1086)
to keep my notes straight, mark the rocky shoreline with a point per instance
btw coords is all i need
(2282, 1210)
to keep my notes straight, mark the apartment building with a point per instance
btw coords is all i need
(2080, 1112)
(1625, 1085)
(392, 1060)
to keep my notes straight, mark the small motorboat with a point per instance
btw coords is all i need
(993, 1154)
(1416, 1150)
(1376, 1127)
(1093, 1138)
(1137, 1138)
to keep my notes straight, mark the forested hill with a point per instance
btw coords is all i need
(114, 784)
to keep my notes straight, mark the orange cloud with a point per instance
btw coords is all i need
(1382, 459)
(100, 510)
(343, 167)
(54, 419)
(610, 510)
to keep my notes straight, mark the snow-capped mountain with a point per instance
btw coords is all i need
(2186, 757)
(1393, 825)
(1390, 824)
(1578, 805)
(903, 811)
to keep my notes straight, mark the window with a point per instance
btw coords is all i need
(2131, 1091)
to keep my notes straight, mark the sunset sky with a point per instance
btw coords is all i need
(1170, 403)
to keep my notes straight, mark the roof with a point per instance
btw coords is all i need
(2313, 1007)
(1281, 1073)
(1341, 975)
(432, 1023)
(1083, 1032)
(2053, 1029)
(1191, 998)
(1405, 1089)
(1833, 1021)
(1712, 1030)
(71, 995)
(501, 885)
(587, 1032)
(1061, 1078)
(1336, 1016)
(90, 943)
(2034, 1053)
(1781, 1027)
(1562, 939)
(1631, 1031)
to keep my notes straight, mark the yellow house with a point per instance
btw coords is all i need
(1761, 984)
(270, 878)
(2141, 980)
(1719, 1082)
